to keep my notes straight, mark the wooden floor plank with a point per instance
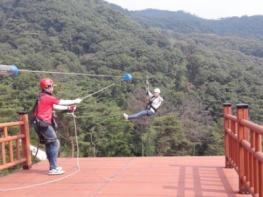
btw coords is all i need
(128, 176)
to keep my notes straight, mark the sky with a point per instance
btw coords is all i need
(209, 9)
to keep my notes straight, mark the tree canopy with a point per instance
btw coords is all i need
(197, 72)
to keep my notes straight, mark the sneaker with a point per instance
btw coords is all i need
(125, 116)
(59, 168)
(56, 171)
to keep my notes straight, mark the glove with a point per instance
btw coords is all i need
(78, 100)
(72, 108)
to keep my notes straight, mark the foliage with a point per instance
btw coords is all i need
(197, 72)
(180, 21)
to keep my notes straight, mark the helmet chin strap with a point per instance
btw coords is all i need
(46, 91)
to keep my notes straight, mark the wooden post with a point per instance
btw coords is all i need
(227, 110)
(260, 179)
(257, 166)
(26, 140)
(242, 113)
(5, 134)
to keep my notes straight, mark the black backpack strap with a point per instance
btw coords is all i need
(35, 107)
(34, 110)
(39, 126)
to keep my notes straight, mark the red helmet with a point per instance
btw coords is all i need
(46, 83)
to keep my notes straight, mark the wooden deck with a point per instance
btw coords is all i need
(128, 177)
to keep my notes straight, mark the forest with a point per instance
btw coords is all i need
(198, 65)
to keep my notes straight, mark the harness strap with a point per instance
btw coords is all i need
(40, 125)
(149, 105)
(35, 108)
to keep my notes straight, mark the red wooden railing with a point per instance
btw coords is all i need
(243, 149)
(15, 149)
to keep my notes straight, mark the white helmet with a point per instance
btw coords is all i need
(157, 90)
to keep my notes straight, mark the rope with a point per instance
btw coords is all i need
(102, 89)
(35, 156)
(77, 158)
(55, 180)
(68, 73)
(77, 141)
(113, 177)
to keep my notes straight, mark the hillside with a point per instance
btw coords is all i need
(196, 72)
(186, 23)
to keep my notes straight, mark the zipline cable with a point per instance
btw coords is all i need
(13, 70)
(69, 73)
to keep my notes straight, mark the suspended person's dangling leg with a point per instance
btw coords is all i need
(140, 114)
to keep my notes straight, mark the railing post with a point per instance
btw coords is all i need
(227, 110)
(242, 113)
(257, 165)
(26, 140)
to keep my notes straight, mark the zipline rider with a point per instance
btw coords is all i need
(44, 122)
(155, 101)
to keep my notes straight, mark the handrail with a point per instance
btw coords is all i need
(11, 124)
(255, 127)
(243, 149)
(12, 138)
(230, 117)
(15, 149)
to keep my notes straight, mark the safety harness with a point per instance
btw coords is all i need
(149, 104)
(41, 126)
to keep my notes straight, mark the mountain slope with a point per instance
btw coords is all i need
(196, 72)
(83, 36)
(186, 23)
